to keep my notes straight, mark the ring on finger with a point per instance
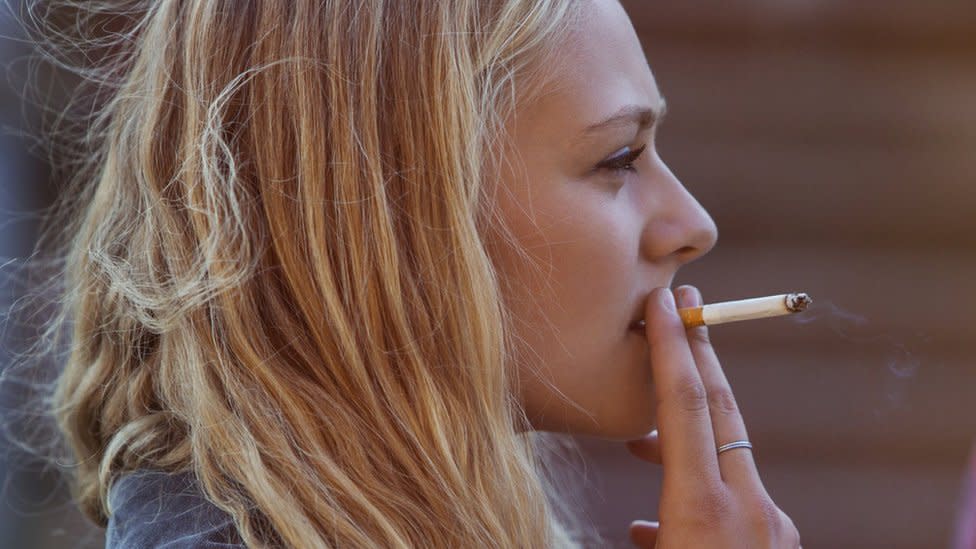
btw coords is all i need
(735, 444)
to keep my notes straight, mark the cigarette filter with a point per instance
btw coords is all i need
(745, 309)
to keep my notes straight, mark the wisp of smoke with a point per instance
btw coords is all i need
(899, 362)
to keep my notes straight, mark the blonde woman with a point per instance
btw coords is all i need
(334, 264)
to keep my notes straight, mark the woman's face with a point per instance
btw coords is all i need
(603, 231)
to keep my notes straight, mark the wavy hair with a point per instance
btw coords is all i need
(275, 269)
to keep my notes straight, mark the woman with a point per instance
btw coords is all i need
(337, 262)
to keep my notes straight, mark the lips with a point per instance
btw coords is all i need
(639, 326)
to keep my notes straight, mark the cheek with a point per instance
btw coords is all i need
(573, 314)
(594, 264)
(586, 260)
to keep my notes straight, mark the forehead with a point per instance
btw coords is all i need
(600, 69)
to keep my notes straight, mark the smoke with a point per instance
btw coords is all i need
(820, 310)
(897, 360)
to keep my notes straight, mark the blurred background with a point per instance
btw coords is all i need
(833, 142)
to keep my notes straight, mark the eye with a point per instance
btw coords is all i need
(622, 162)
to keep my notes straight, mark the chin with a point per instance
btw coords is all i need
(631, 415)
(632, 424)
(635, 417)
(629, 432)
(621, 431)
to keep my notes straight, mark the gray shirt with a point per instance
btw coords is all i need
(153, 509)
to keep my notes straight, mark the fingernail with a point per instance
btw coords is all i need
(666, 299)
(688, 296)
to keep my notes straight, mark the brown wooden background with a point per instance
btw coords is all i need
(833, 142)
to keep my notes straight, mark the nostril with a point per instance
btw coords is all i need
(687, 254)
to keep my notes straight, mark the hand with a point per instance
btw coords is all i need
(707, 500)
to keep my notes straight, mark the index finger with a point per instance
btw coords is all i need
(688, 450)
(727, 423)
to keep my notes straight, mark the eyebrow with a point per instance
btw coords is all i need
(644, 117)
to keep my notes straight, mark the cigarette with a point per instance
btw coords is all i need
(744, 309)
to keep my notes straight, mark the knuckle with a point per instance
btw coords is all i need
(690, 395)
(723, 401)
(714, 508)
(766, 517)
(789, 528)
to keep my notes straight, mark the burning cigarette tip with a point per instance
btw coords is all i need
(798, 302)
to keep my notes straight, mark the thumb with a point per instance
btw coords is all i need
(643, 533)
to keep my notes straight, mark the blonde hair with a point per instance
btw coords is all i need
(275, 269)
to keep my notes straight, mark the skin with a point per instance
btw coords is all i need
(602, 239)
(606, 245)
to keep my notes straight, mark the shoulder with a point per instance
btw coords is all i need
(166, 510)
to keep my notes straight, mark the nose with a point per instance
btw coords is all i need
(677, 226)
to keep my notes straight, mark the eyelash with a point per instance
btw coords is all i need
(624, 162)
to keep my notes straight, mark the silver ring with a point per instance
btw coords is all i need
(734, 445)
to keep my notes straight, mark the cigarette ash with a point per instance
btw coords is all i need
(798, 302)
(900, 364)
